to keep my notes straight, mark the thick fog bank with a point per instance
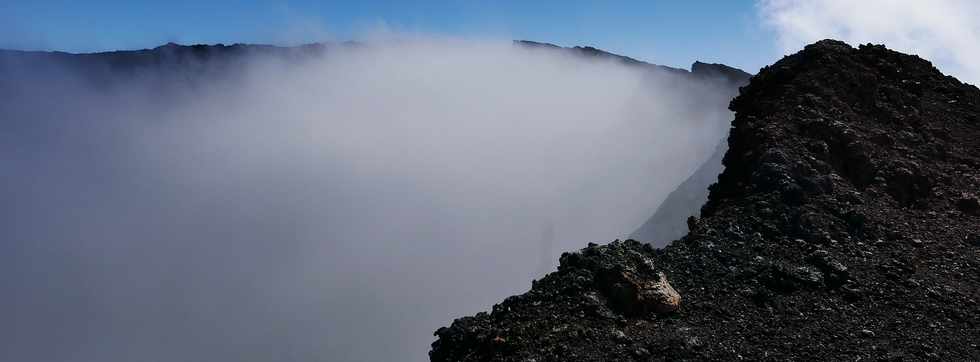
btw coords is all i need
(335, 209)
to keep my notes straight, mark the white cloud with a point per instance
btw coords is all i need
(341, 209)
(946, 32)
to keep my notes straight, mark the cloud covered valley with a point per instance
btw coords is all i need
(345, 204)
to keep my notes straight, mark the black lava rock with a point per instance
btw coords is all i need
(842, 228)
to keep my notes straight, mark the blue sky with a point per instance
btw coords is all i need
(666, 32)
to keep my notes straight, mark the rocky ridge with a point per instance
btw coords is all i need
(705, 71)
(845, 226)
(173, 63)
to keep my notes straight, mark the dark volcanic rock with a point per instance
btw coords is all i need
(842, 228)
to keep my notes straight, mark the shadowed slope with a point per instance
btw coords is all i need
(668, 223)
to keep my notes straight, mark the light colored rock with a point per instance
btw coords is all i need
(644, 295)
(659, 296)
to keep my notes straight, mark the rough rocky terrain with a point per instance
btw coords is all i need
(845, 226)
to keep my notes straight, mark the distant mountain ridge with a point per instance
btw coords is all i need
(189, 55)
(699, 69)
